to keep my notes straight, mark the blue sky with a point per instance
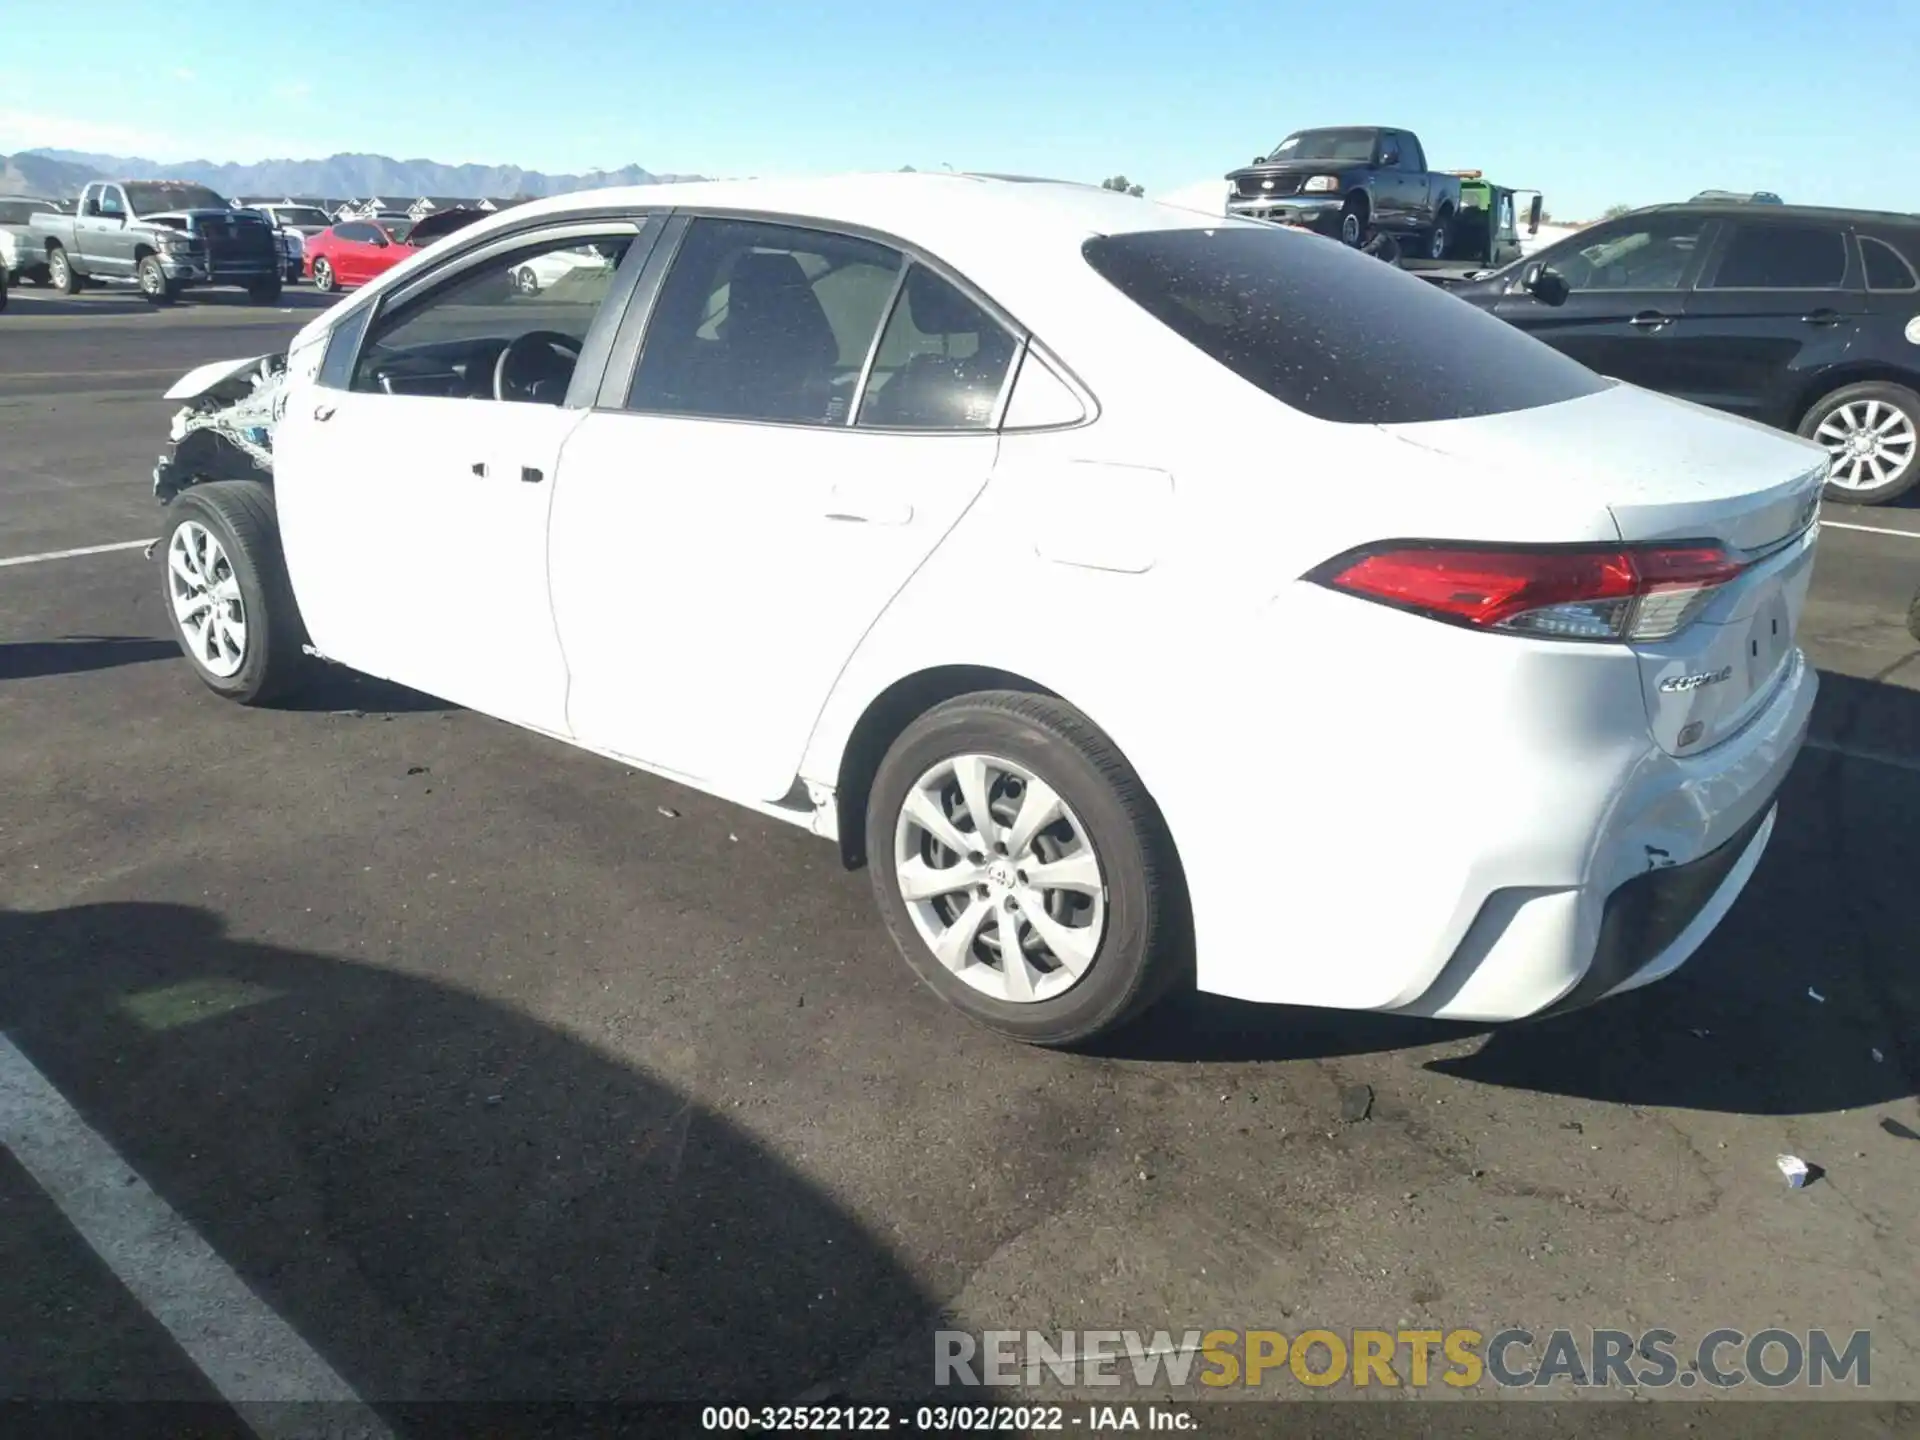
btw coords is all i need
(1630, 101)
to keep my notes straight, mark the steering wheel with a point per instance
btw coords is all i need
(533, 361)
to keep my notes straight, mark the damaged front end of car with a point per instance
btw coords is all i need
(225, 430)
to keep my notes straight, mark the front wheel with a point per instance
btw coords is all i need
(227, 594)
(1871, 432)
(264, 292)
(324, 280)
(154, 284)
(526, 281)
(1353, 222)
(1022, 870)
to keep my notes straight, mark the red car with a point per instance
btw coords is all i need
(354, 251)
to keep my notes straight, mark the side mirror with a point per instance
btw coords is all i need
(1545, 284)
(1534, 212)
(1258, 160)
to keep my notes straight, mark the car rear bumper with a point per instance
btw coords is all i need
(1510, 843)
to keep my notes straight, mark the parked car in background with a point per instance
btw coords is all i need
(355, 251)
(1349, 182)
(21, 255)
(553, 267)
(296, 224)
(1752, 197)
(1800, 317)
(352, 252)
(1465, 744)
(165, 236)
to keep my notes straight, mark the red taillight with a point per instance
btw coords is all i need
(1627, 592)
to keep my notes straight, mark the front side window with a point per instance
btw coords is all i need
(1782, 257)
(1332, 332)
(1649, 253)
(764, 322)
(483, 336)
(942, 361)
(111, 205)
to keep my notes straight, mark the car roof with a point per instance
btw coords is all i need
(1011, 235)
(1747, 210)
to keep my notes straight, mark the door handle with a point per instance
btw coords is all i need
(531, 476)
(1650, 320)
(1823, 316)
(323, 412)
(480, 468)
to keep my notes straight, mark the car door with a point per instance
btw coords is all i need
(809, 415)
(349, 256)
(1411, 179)
(1627, 283)
(414, 499)
(116, 240)
(1778, 301)
(1389, 184)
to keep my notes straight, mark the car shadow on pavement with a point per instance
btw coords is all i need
(447, 1199)
(1805, 1000)
(333, 688)
(131, 302)
(76, 654)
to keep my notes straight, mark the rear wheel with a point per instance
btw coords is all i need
(1440, 236)
(61, 272)
(324, 279)
(1913, 616)
(526, 281)
(154, 284)
(1022, 870)
(1871, 432)
(228, 599)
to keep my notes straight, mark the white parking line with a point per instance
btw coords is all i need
(252, 1357)
(70, 554)
(1869, 529)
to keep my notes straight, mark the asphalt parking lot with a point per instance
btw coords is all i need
(495, 1071)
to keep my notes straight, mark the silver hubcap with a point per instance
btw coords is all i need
(323, 275)
(1001, 878)
(206, 600)
(1438, 245)
(1350, 229)
(527, 283)
(150, 277)
(1871, 442)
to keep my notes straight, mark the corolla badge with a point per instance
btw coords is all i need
(1681, 684)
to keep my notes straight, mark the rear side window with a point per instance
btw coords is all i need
(1332, 332)
(941, 364)
(1887, 268)
(1782, 257)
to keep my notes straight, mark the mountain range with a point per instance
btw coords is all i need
(60, 173)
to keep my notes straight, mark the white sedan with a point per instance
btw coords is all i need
(1150, 598)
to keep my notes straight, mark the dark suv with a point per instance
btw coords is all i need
(1807, 319)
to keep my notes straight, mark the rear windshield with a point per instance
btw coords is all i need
(1329, 331)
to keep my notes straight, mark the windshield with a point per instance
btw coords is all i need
(397, 230)
(302, 215)
(151, 197)
(1354, 145)
(1331, 332)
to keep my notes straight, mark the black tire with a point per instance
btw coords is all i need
(1900, 398)
(60, 272)
(37, 275)
(1145, 948)
(265, 292)
(240, 515)
(1440, 236)
(324, 280)
(1353, 221)
(525, 281)
(155, 287)
(3, 290)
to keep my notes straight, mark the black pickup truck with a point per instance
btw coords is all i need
(163, 236)
(1350, 182)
